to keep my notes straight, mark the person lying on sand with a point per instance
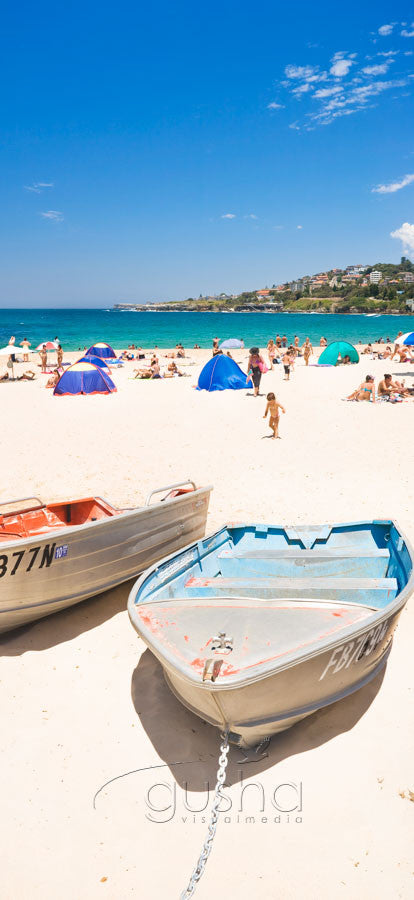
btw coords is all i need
(172, 371)
(403, 353)
(26, 376)
(53, 380)
(273, 408)
(366, 390)
(386, 353)
(4, 377)
(390, 388)
(368, 349)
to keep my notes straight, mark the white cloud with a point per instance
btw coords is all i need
(379, 69)
(250, 216)
(300, 71)
(406, 33)
(329, 91)
(301, 89)
(299, 226)
(53, 215)
(38, 186)
(274, 105)
(340, 66)
(347, 87)
(394, 186)
(406, 235)
(384, 30)
(228, 216)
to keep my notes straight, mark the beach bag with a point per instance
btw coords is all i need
(263, 368)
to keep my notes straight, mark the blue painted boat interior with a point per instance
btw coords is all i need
(365, 563)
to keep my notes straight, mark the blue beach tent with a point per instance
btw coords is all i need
(337, 349)
(222, 374)
(104, 351)
(95, 361)
(84, 378)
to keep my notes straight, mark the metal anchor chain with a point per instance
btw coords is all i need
(208, 843)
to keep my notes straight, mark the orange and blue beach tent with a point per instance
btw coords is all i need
(84, 378)
(96, 361)
(104, 351)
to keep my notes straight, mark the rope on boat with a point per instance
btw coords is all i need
(211, 831)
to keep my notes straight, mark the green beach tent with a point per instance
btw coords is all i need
(334, 351)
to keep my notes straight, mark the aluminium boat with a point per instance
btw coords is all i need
(53, 555)
(258, 626)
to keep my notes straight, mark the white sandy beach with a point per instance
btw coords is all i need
(82, 701)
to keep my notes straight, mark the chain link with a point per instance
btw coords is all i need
(208, 843)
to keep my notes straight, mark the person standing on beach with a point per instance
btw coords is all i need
(307, 351)
(254, 369)
(43, 357)
(59, 356)
(286, 360)
(25, 344)
(271, 352)
(215, 345)
(278, 341)
(273, 408)
(284, 341)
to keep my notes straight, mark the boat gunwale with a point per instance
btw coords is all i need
(351, 631)
(120, 515)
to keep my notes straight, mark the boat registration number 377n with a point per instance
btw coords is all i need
(27, 560)
(351, 652)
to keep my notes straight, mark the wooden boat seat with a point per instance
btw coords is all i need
(374, 592)
(292, 561)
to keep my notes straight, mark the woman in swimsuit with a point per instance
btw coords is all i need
(254, 369)
(307, 351)
(271, 352)
(366, 390)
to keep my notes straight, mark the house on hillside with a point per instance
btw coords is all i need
(375, 277)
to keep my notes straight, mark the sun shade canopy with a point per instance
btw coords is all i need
(84, 378)
(222, 374)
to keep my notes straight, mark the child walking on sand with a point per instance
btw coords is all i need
(273, 408)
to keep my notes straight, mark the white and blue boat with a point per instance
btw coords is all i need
(258, 626)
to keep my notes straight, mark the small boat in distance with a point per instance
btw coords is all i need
(258, 626)
(53, 555)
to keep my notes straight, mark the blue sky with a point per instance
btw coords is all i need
(160, 153)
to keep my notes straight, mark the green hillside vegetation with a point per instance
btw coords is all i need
(341, 298)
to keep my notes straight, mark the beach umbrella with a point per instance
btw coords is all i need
(11, 348)
(84, 378)
(104, 351)
(222, 374)
(50, 345)
(231, 344)
(96, 361)
(407, 339)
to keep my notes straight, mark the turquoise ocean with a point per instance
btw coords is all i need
(77, 328)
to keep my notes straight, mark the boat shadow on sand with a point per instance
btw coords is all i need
(190, 746)
(65, 625)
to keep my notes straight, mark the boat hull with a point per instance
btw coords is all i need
(42, 575)
(259, 710)
(258, 626)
